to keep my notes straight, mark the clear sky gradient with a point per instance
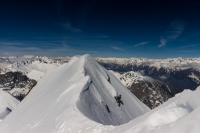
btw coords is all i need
(101, 28)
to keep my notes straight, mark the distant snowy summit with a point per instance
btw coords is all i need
(172, 63)
(38, 63)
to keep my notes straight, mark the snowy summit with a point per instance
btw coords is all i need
(74, 97)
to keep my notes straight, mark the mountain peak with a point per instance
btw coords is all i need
(77, 92)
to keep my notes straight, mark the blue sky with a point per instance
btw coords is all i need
(101, 28)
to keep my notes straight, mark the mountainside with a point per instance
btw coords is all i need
(74, 97)
(182, 73)
(7, 104)
(16, 83)
(150, 91)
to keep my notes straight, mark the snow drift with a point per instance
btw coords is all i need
(178, 115)
(7, 104)
(73, 98)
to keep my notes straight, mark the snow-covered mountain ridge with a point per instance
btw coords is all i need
(72, 97)
(42, 64)
(172, 63)
(27, 64)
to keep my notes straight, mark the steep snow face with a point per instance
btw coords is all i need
(100, 93)
(73, 98)
(7, 104)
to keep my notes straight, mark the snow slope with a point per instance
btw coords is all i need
(6, 101)
(72, 98)
(178, 115)
(34, 74)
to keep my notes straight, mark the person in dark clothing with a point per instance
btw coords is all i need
(118, 98)
(109, 79)
(107, 108)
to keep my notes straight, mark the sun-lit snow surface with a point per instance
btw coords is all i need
(6, 101)
(34, 74)
(178, 115)
(72, 98)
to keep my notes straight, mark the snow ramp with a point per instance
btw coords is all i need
(74, 97)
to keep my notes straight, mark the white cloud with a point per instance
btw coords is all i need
(29, 56)
(163, 42)
(70, 28)
(175, 29)
(117, 48)
(140, 44)
(187, 46)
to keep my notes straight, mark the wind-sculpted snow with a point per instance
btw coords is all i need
(7, 104)
(99, 92)
(178, 115)
(72, 98)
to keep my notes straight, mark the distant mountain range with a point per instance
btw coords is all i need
(153, 81)
(183, 73)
